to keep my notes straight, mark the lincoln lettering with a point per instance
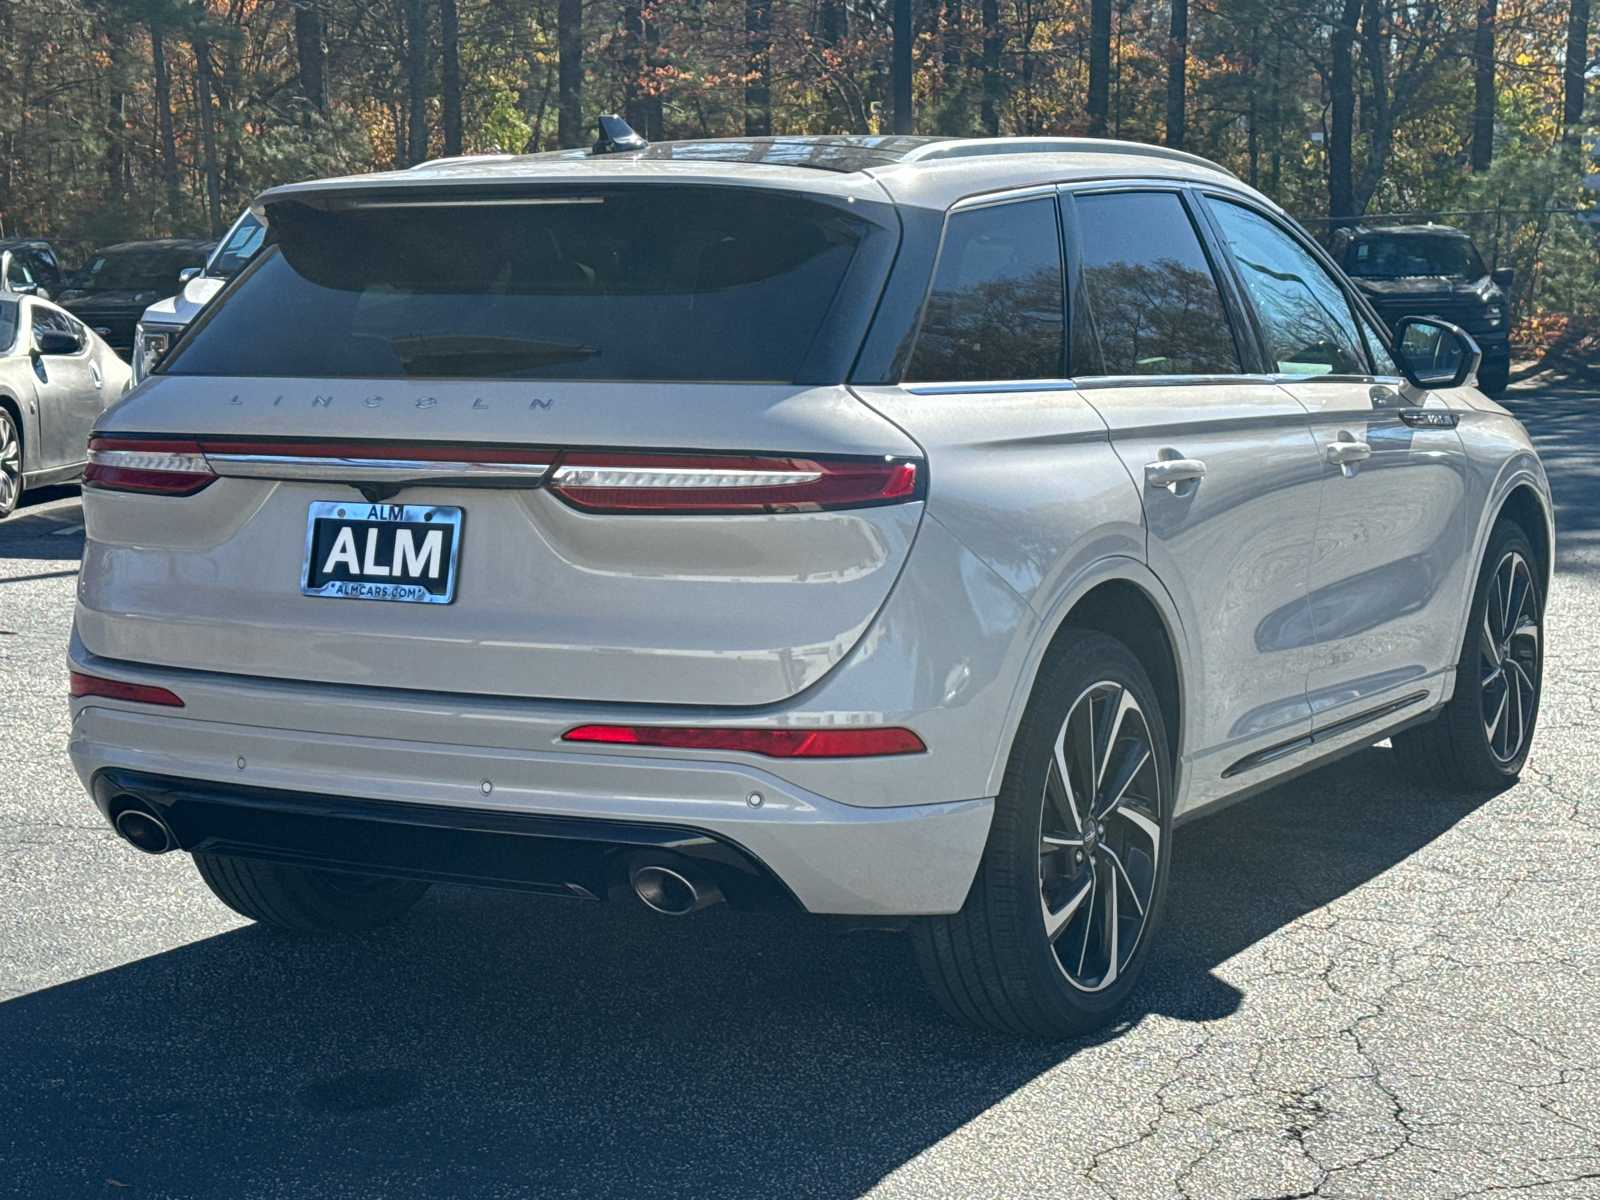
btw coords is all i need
(408, 561)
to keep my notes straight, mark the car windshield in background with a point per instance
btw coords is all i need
(234, 254)
(135, 271)
(657, 283)
(1397, 256)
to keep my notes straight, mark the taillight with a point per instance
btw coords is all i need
(774, 743)
(111, 689)
(169, 468)
(644, 483)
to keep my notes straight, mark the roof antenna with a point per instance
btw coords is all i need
(617, 136)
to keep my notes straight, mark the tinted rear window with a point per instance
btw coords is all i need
(1156, 304)
(995, 311)
(643, 283)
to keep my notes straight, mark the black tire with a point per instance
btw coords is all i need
(1463, 748)
(305, 899)
(10, 463)
(994, 964)
(1494, 380)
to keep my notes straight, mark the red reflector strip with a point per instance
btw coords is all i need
(641, 483)
(164, 467)
(111, 689)
(774, 743)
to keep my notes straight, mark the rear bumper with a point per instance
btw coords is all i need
(518, 817)
(564, 856)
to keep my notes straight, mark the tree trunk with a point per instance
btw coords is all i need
(1342, 111)
(312, 58)
(450, 74)
(992, 82)
(1577, 66)
(208, 129)
(417, 81)
(169, 143)
(904, 121)
(830, 20)
(1099, 66)
(758, 68)
(116, 156)
(1380, 129)
(1483, 88)
(1177, 61)
(569, 74)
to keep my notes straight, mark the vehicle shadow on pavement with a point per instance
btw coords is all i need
(496, 1044)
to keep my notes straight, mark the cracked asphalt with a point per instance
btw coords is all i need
(1362, 990)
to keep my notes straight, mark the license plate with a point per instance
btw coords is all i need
(362, 551)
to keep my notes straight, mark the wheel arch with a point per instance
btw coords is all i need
(14, 406)
(1521, 493)
(1124, 599)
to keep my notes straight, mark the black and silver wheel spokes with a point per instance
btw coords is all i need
(10, 466)
(1099, 836)
(1509, 657)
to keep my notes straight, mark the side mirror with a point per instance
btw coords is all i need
(1504, 278)
(55, 342)
(187, 274)
(1434, 353)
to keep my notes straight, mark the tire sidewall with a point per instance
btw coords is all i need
(1079, 661)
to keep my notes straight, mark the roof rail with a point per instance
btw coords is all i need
(975, 147)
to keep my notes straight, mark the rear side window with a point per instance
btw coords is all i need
(996, 308)
(1304, 312)
(1155, 301)
(8, 323)
(642, 283)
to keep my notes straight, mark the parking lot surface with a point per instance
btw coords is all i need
(1362, 989)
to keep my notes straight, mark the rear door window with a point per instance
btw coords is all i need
(1304, 312)
(1155, 301)
(996, 309)
(650, 282)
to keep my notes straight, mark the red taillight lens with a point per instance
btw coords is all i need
(111, 689)
(774, 743)
(162, 467)
(645, 483)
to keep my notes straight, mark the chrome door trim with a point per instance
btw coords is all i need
(1014, 385)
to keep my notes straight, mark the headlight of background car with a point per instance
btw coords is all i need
(148, 347)
(1493, 313)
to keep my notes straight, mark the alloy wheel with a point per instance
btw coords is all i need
(10, 464)
(1099, 836)
(1509, 654)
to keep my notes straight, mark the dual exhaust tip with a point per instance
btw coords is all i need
(143, 830)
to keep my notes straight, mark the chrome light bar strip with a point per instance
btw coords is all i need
(626, 477)
(150, 460)
(372, 470)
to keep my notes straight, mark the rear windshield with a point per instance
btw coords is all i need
(1397, 256)
(642, 283)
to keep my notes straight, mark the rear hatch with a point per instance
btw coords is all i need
(583, 443)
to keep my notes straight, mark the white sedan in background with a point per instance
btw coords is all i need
(56, 377)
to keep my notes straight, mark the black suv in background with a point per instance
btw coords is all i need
(1433, 271)
(119, 282)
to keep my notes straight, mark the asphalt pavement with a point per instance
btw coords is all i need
(1362, 990)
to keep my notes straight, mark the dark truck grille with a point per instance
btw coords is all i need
(1463, 311)
(117, 328)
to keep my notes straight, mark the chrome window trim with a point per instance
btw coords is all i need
(992, 385)
(988, 199)
(1122, 381)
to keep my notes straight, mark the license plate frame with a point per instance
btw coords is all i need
(424, 518)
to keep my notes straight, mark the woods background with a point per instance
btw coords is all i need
(132, 118)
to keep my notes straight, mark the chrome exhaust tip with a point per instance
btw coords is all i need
(674, 891)
(145, 831)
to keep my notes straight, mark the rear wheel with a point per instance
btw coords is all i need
(1060, 916)
(10, 464)
(306, 899)
(1480, 740)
